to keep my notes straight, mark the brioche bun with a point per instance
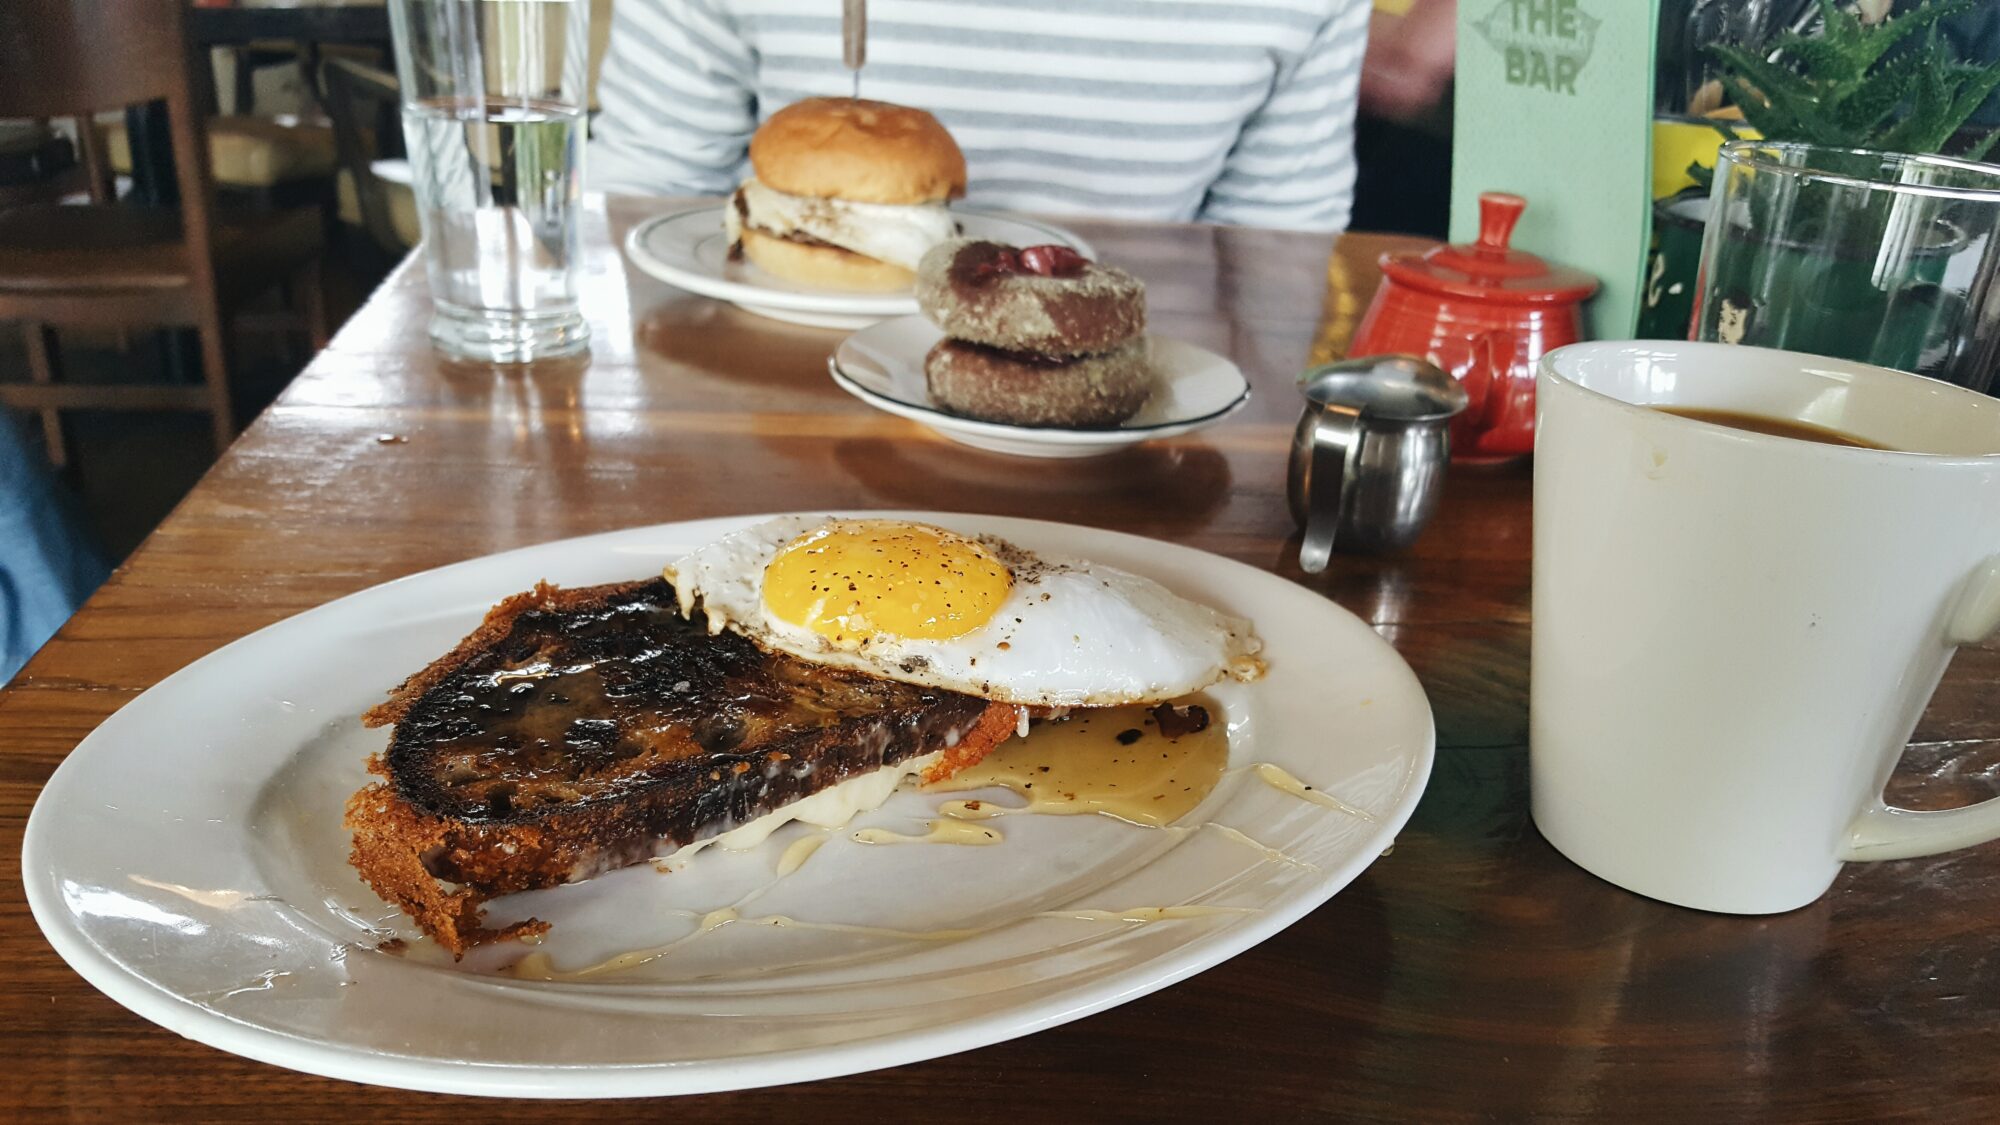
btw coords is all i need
(862, 151)
(827, 267)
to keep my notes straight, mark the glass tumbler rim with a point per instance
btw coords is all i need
(1751, 153)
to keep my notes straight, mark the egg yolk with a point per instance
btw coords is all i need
(855, 579)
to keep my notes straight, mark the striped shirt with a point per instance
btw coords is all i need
(1231, 111)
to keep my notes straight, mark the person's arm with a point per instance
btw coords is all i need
(1411, 57)
(678, 100)
(1293, 165)
(47, 564)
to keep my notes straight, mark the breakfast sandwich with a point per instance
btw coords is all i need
(798, 669)
(846, 194)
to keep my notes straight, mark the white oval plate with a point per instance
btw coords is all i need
(188, 860)
(687, 248)
(883, 366)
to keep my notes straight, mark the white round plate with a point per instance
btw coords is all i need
(687, 248)
(188, 860)
(883, 366)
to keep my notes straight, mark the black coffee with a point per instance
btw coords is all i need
(1776, 427)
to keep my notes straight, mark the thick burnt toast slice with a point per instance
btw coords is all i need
(576, 731)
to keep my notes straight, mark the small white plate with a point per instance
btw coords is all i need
(687, 248)
(883, 366)
(188, 859)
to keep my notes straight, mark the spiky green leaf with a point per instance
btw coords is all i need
(1769, 120)
(1837, 26)
(1979, 148)
(1845, 87)
(1866, 104)
(1970, 91)
(1823, 60)
(1962, 72)
(1783, 93)
(1922, 129)
(1872, 44)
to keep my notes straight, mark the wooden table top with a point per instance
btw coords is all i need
(1472, 973)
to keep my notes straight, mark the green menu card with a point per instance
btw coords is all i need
(1555, 104)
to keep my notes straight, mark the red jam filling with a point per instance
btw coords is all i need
(1043, 261)
(1052, 261)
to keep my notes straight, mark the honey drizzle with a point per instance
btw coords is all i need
(798, 851)
(1146, 913)
(1277, 778)
(1112, 761)
(944, 831)
(1194, 763)
(537, 966)
(1268, 852)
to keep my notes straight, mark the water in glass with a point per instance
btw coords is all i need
(493, 117)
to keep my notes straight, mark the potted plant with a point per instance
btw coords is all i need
(1881, 83)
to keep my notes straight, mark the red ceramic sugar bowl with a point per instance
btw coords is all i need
(1486, 314)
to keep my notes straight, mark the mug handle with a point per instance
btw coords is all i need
(1886, 832)
(1336, 447)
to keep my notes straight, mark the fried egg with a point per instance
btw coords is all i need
(923, 605)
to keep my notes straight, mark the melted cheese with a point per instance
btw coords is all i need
(898, 234)
(831, 807)
(797, 852)
(1112, 762)
(938, 832)
(1278, 778)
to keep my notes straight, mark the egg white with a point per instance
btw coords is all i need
(1075, 634)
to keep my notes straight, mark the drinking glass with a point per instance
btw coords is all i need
(493, 114)
(1884, 258)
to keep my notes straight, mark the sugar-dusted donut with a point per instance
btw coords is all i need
(1044, 299)
(1028, 389)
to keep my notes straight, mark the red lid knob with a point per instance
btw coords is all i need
(1490, 269)
(1498, 212)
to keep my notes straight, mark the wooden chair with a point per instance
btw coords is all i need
(36, 165)
(114, 266)
(250, 154)
(363, 102)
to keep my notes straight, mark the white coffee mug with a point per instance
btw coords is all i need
(1735, 633)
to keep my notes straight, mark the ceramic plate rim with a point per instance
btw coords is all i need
(1054, 435)
(319, 1056)
(1121, 435)
(831, 301)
